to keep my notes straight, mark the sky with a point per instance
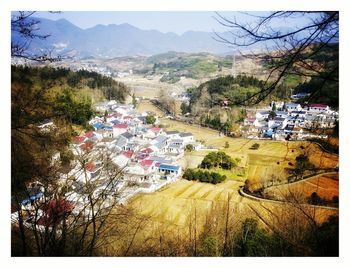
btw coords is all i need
(163, 21)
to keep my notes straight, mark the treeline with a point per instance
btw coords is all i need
(232, 91)
(203, 176)
(63, 77)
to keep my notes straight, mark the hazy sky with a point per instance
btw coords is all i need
(170, 21)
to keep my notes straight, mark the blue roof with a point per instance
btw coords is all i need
(169, 167)
(116, 121)
(98, 126)
(25, 202)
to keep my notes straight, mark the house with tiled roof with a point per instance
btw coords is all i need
(318, 108)
(119, 129)
(79, 139)
(186, 137)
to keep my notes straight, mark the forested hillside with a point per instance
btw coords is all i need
(46, 94)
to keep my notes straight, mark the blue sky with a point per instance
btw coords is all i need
(164, 21)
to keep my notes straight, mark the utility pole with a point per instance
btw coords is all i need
(233, 65)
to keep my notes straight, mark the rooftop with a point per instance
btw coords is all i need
(169, 167)
(185, 134)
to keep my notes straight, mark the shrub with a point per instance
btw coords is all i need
(219, 159)
(203, 176)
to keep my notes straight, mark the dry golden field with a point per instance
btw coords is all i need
(325, 185)
(173, 205)
(147, 106)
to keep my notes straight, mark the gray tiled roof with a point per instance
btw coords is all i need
(185, 134)
(127, 135)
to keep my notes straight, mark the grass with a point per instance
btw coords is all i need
(147, 106)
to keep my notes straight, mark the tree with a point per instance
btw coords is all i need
(252, 241)
(227, 145)
(150, 119)
(272, 114)
(134, 101)
(209, 247)
(189, 148)
(185, 108)
(26, 29)
(311, 50)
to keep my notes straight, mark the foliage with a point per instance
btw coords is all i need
(255, 146)
(252, 240)
(203, 176)
(229, 88)
(321, 91)
(189, 148)
(75, 111)
(324, 240)
(134, 101)
(209, 247)
(302, 164)
(61, 77)
(227, 145)
(218, 159)
(150, 119)
(185, 108)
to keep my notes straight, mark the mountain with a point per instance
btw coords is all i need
(113, 40)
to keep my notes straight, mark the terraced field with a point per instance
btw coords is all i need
(326, 186)
(175, 204)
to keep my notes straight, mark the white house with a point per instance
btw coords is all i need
(186, 137)
(281, 114)
(119, 129)
(318, 108)
(262, 115)
(293, 107)
(277, 122)
(121, 161)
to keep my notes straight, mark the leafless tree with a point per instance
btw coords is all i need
(297, 51)
(28, 29)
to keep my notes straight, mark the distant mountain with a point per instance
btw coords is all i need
(107, 41)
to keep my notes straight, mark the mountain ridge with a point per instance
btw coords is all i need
(115, 40)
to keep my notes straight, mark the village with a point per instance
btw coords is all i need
(289, 121)
(145, 157)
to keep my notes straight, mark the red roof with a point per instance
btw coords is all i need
(157, 164)
(146, 162)
(317, 105)
(128, 154)
(251, 119)
(147, 151)
(155, 129)
(87, 146)
(91, 167)
(79, 139)
(89, 134)
(120, 126)
(55, 209)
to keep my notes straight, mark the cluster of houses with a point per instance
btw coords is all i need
(146, 154)
(290, 120)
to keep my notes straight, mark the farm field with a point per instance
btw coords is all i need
(325, 185)
(147, 106)
(175, 203)
(271, 157)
